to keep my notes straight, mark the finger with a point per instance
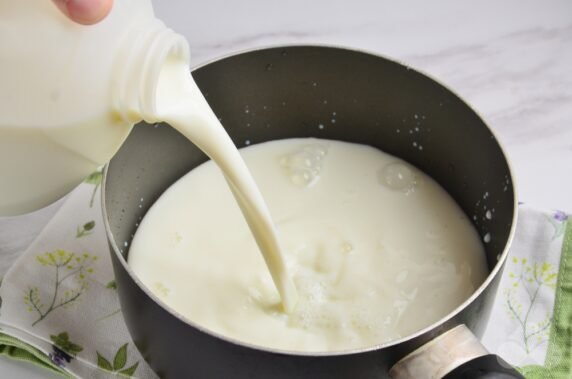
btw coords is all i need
(85, 12)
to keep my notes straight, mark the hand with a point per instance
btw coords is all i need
(85, 12)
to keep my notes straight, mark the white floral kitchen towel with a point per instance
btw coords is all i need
(60, 296)
(60, 308)
(531, 322)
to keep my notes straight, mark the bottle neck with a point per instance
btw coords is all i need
(137, 69)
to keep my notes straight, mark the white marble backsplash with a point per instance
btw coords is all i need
(511, 60)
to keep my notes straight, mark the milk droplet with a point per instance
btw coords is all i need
(487, 238)
(398, 177)
(489, 215)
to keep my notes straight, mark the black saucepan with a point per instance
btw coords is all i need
(289, 92)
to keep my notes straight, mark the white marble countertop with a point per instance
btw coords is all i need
(511, 60)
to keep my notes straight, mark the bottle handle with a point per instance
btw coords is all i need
(456, 354)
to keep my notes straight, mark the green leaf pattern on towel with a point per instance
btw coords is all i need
(85, 229)
(95, 179)
(70, 272)
(119, 363)
(62, 341)
(112, 285)
(64, 350)
(526, 281)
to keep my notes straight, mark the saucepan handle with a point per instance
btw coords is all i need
(488, 366)
(456, 354)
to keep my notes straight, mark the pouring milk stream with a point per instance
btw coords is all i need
(70, 95)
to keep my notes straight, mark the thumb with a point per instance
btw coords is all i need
(85, 12)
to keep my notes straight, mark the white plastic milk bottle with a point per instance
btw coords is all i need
(69, 94)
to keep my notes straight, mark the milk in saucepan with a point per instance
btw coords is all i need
(377, 250)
